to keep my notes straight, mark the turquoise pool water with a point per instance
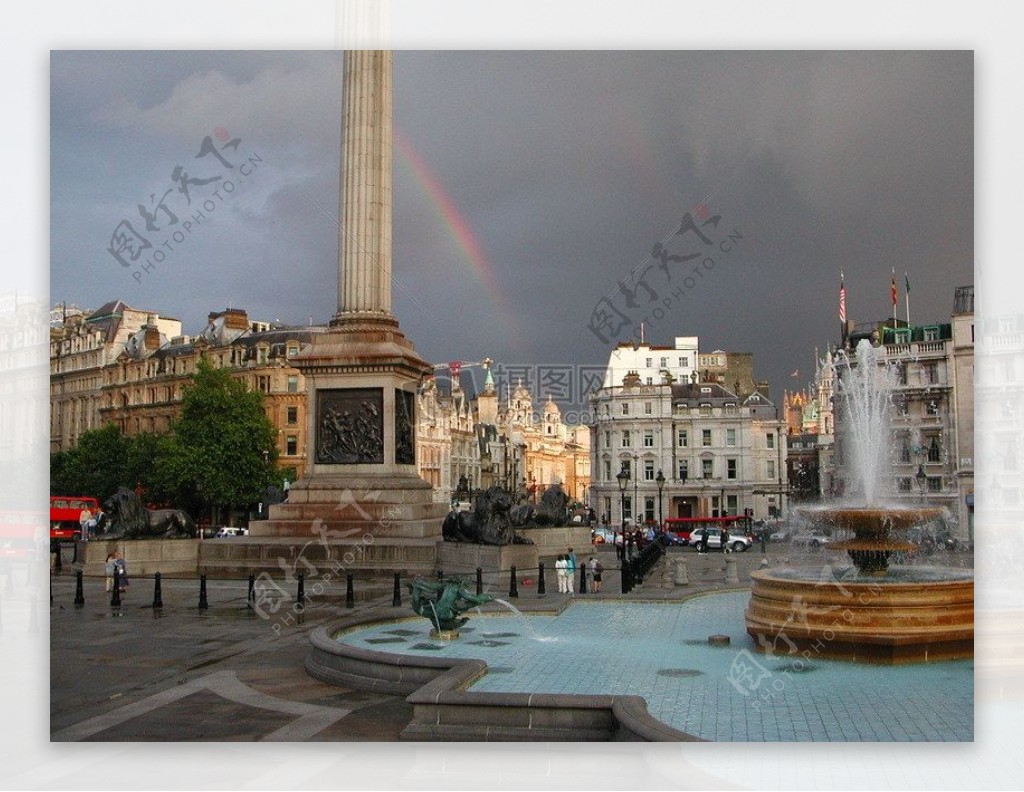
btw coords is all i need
(660, 652)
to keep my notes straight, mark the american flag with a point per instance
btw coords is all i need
(842, 299)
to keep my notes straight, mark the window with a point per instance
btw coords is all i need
(681, 438)
(731, 504)
(664, 362)
(730, 437)
(627, 466)
(648, 408)
(770, 469)
(930, 373)
(730, 409)
(293, 446)
(263, 354)
(649, 381)
(903, 484)
(625, 408)
(935, 483)
(649, 509)
(648, 438)
(293, 351)
(684, 469)
(648, 470)
(901, 374)
(684, 362)
(903, 444)
(705, 409)
(293, 383)
(730, 468)
(707, 468)
(608, 507)
(705, 437)
(931, 334)
(934, 450)
(627, 509)
(932, 408)
(650, 362)
(607, 439)
(625, 438)
(769, 440)
(263, 384)
(607, 470)
(293, 415)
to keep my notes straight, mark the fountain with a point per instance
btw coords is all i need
(443, 603)
(873, 612)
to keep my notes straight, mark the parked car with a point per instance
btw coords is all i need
(227, 532)
(738, 543)
(813, 539)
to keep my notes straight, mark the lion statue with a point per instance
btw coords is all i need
(488, 523)
(551, 511)
(129, 519)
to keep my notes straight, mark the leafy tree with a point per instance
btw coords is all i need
(224, 446)
(97, 466)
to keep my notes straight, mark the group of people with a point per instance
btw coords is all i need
(90, 524)
(115, 564)
(565, 568)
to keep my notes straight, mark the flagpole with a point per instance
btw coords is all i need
(906, 281)
(895, 302)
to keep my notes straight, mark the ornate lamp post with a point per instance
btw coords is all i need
(623, 479)
(660, 481)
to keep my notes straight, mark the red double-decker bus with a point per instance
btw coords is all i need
(66, 512)
(682, 527)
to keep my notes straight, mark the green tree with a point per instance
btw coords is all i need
(224, 446)
(97, 466)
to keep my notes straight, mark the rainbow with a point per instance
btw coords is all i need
(457, 225)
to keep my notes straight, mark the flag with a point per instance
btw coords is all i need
(795, 373)
(842, 299)
(906, 278)
(894, 291)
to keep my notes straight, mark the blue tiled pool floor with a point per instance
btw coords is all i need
(660, 652)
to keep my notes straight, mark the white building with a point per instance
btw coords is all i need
(719, 454)
(652, 363)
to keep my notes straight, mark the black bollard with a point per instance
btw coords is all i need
(250, 601)
(513, 588)
(158, 596)
(583, 578)
(203, 604)
(115, 596)
(79, 592)
(479, 581)
(396, 598)
(540, 578)
(300, 596)
(58, 563)
(350, 596)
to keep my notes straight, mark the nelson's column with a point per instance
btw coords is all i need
(362, 503)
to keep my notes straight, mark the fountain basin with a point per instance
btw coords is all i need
(911, 615)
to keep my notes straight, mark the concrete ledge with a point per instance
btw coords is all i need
(463, 558)
(444, 710)
(142, 557)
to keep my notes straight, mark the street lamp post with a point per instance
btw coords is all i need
(623, 479)
(660, 480)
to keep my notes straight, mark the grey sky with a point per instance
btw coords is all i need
(562, 168)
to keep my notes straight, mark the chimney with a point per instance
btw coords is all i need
(152, 337)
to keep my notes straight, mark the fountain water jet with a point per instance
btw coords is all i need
(884, 614)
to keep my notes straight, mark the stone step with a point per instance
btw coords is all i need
(365, 511)
(345, 531)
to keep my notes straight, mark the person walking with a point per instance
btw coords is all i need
(84, 518)
(108, 571)
(570, 571)
(560, 565)
(122, 571)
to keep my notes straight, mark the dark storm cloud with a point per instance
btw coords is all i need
(566, 166)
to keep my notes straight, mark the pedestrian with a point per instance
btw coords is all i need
(595, 574)
(108, 570)
(703, 541)
(122, 571)
(83, 524)
(725, 540)
(560, 565)
(570, 570)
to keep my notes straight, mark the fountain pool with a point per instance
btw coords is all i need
(660, 652)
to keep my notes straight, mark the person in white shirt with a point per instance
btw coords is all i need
(560, 570)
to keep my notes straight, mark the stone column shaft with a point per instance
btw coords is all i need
(364, 266)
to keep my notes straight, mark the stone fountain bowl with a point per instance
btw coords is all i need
(865, 522)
